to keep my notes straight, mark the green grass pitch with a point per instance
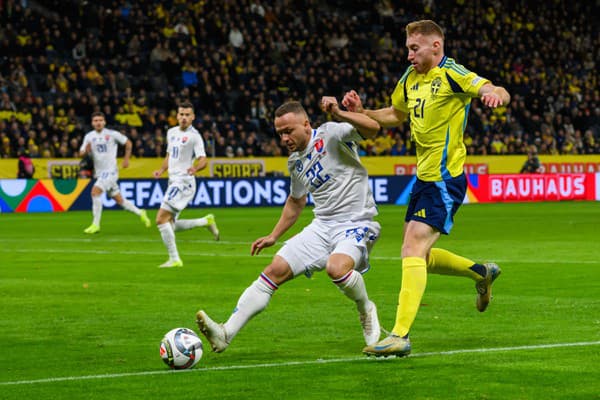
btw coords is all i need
(82, 317)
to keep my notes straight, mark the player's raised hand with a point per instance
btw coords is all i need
(352, 101)
(261, 243)
(329, 104)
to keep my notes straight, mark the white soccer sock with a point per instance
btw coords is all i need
(168, 238)
(129, 206)
(185, 224)
(353, 286)
(96, 209)
(255, 298)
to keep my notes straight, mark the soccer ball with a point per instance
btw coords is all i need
(181, 348)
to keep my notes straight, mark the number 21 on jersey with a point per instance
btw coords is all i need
(419, 108)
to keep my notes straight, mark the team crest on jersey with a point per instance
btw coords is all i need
(298, 166)
(319, 145)
(107, 137)
(435, 87)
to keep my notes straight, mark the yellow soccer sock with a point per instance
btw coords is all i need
(443, 262)
(414, 280)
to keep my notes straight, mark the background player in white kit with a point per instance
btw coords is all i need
(102, 144)
(324, 162)
(185, 157)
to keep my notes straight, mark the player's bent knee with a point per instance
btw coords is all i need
(338, 265)
(279, 272)
(163, 216)
(337, 273)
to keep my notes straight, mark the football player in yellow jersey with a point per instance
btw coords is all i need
(435, 92)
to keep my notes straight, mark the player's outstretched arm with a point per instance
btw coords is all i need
(387, 117)
(367, 127)
(289, 215)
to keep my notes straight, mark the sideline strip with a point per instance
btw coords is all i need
(116, 240)
(294, 363)
(247, 254)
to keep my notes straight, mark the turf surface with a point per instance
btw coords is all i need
(82, 317)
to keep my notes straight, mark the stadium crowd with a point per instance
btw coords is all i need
(237, 60)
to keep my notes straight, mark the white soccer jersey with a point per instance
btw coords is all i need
(104, 146)
(183, 148)
(330, 169)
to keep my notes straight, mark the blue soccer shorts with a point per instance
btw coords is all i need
(435, 203)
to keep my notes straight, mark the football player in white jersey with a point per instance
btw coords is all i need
(325, 163)
(102, 144)
(185, 157)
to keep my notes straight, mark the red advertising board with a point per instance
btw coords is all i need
(570, 168)
(533, 187)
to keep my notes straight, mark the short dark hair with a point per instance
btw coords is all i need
(290, 107)
(98, 114)
(186, 104)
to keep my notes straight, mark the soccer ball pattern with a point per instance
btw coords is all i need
(181, 348)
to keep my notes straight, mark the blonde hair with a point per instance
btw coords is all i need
(425, 27)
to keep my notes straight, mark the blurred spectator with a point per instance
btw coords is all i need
(242, 59)
(399, 148)
(532, 165)
(86, 167)
(26, 167)
(236, 38)
(6, 104)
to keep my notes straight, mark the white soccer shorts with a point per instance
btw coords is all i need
(179, 194)
(309, 250)
(107, 181)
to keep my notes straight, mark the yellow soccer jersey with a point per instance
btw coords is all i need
(437, 104)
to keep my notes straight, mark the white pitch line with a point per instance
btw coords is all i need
(247, 254)
(128, 252)
(295, 363)
(115, 240)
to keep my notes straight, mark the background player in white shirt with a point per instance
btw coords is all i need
(185, 157)
(102, 144)
(323, 162)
